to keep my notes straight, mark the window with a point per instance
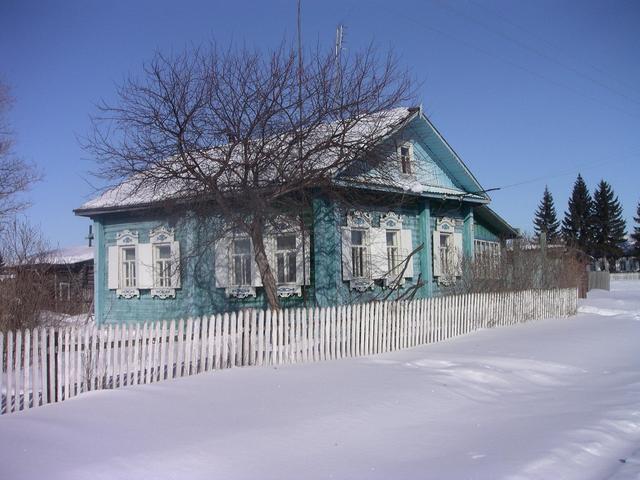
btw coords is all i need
(163, 265)
(405, 155)
(446, 258)
(241, 261)
(359, 257)
(128, 267)
(393, 251)
(64, 291)
(484, 249)
(286, 258)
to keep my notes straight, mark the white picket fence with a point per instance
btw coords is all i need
(43, 366)
(625, 276)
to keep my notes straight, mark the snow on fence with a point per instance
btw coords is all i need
(43, 366)
(599, 280)
(625, 276)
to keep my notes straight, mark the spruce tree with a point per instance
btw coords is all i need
(546, 219)
(636, 233)
(576, 225)
(607, 223)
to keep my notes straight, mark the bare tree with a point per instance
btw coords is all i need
(16, 175)
(26, 289)
(247, 136)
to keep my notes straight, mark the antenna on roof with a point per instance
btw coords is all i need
(338, 58)
(90, 236)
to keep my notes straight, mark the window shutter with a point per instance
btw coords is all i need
(144, 255)
(176, 267)
(307, 260)
(407, 245)
(256, 278)
(221, 259)
(435, 247)
(347, 268)
(301, 266)
(378, 245)
(458, 249)
(112, 268)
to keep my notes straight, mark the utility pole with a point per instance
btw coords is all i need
(338, 56)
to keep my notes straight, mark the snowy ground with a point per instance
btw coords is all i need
(554, 399)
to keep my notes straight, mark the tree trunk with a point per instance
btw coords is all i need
(268, 280)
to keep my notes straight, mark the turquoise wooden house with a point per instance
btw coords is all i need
(144, 272)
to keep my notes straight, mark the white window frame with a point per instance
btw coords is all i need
(127, 239)
(357, 221)
(447, 267)
(284, 226)
(67, 286)
(407, 159)
(164, 237)
(392, 223)
(249, 260)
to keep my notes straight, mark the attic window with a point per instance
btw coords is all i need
(405, 155)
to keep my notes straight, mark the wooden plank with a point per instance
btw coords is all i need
(10, 387)
(3, 381)
(28, 387)
(217, 342)
(51, 378)
(44, 387)
(35, 367)
(195, 346)
(17, 379)
(246, 337)
(171, 346)
(232, 339)
(252, 336)
(269, 329)
(188, 346)
(180, 349)
(225, 341)
(211, 322)
(261, 334)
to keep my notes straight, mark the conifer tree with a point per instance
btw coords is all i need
(636, 233)
(576, 225)
(546, 219)
(607, 223)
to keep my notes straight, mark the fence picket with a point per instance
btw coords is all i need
(51, 365)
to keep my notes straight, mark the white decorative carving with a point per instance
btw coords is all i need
(241, 292)
(286, 291)
(128, 292)
(391, 221)
(163, 293)
(359, 219)
(446, 224)
(161, 234)
(361, 284)
(126, 237)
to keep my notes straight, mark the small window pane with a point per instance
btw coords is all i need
(242, 246)
(164, 251)
(286, 242)
(357, 237)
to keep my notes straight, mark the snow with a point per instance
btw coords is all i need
(138, 191)
(552, 399)
(70, 255)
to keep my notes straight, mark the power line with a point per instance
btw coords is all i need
(538, 52)
(474, 47)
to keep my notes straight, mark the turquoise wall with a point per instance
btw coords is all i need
(483, 232)
(199, 296)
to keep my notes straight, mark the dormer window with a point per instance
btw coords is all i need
(405, 155)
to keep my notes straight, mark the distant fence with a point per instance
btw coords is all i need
(625, 276)
(599, 280)
(43, 366)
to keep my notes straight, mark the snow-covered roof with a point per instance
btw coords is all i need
(69, 255)
(134, 193)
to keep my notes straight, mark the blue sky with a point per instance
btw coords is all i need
(528, 93)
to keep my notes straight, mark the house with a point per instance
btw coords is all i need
(59, 280)
(405, 239)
